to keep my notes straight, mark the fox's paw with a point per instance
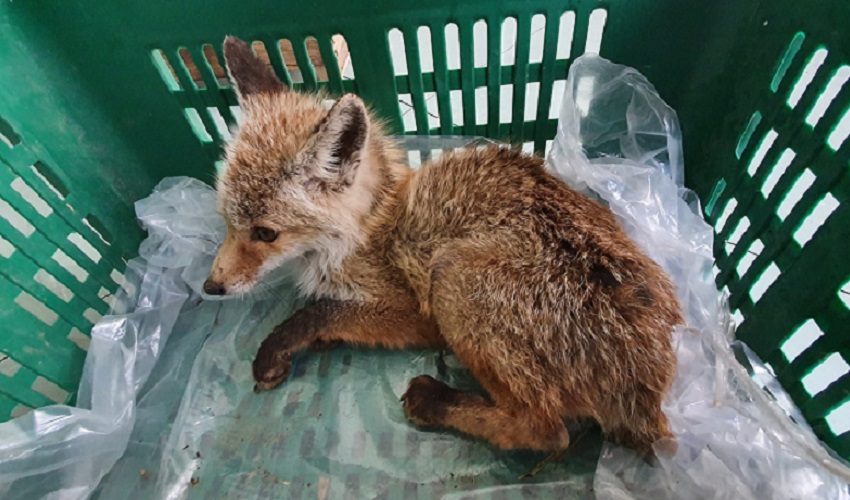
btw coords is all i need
(427, 400)
(270, 371)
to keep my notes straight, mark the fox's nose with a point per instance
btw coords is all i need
(213, 288)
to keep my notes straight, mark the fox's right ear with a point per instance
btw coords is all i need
(248, 73)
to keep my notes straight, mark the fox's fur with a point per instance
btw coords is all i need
(534, 287)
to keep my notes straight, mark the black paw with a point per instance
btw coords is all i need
(270, 369)
(427, 400)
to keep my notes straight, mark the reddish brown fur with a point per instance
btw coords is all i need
(535, 288)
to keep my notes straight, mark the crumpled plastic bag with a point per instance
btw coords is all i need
(618, 142)
(166, 408)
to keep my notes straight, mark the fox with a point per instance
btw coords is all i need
(533, 286)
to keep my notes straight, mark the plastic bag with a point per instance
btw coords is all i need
(168, 384)
(619, 142)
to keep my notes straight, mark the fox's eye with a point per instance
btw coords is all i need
(263, 234)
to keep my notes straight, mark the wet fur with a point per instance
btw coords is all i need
(534, 287)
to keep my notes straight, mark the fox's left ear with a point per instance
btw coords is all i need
(248, 73)
(340, 143)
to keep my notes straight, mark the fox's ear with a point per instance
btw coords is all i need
(248, 73)
(340, 142)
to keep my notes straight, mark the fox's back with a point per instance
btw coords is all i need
(565, 260)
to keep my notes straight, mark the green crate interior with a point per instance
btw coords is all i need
(97, 104)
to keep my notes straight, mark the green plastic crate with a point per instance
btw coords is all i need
(97, 103)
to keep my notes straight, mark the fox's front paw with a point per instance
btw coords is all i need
(270, 368)
(427, 400)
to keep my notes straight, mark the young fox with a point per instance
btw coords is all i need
(534, 287)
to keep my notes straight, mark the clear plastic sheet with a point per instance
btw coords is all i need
(619, 142)
(166, 408)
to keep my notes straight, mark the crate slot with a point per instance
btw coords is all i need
(70, 265)
(315, 58)
(838, 419)
(8, 136)
(13, 217)
(840, 132)
(730, 207)
(6, 248)
(37, 308)
(80, 339)
(749, 257)
(566, 32)
(584, 89)
(479, 42)
(741, 228)
(426, 60)
(45, 173)
(532, 95)
(197, 125)
(414, 158)
(53, 285)
(825, 373)
(191, 69)
(595, 31)
(343, 57)
(817, 218)
(481, 105)
(829, 93)
(220, 124)
(452, 47)
(30, 196)
(98, 228)
(764, 146)
(777, 171)
(786, 60)
(795, 193)
(50, 390)
(19, 411)
(559, 88)
(508, 42)
(8, 366)
(433, 109)
(798, 342)
(807, 76)
(456, 98)
(90, 251)
(747, 134)
(397, 52)
(764, 281)
(716, 193)
(405, 107)
(506, 97)
(92, 316)
(538, 35)
(166, 72)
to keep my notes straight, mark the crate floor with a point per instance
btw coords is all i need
(335, 429)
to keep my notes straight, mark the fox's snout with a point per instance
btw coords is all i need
(212, 287)
(238, 264)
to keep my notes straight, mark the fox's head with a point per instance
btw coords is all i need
(297, 175)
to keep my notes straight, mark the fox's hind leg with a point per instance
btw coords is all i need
(480, 302)
(327, 322)
(429, 403)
